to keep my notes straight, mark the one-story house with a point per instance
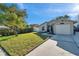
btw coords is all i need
(58, 26)
(77, 28)
(4, 30)
(43, 27)
(35, 27)
(4, 27)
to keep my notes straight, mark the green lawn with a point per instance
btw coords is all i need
(3, 38)
(22, 44)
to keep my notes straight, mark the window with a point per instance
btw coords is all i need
(43, 28)
(61, 23)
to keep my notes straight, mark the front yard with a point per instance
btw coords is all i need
(22, 44)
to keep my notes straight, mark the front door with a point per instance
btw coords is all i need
(51, 29)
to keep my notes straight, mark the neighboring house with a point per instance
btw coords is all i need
(77, 25)
(4, 30)
(58, 26)
(43, 27)
(4, 27)
(35, 27)
(77, 28)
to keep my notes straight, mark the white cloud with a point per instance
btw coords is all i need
(74, 10)
(73, 14)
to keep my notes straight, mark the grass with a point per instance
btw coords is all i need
(22, 44)
(3, 38)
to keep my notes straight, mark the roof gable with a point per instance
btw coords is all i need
(62, 19)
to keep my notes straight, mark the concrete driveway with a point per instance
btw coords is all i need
(66, 38)
(57, 45)
(67, 43)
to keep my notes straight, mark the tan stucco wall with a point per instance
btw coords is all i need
(43, 25)
(57, 22)
(65, 22)
(36, 29)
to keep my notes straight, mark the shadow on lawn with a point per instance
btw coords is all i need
(6, 38)
(69, 46)
(42, 36)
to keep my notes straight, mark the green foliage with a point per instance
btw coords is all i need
(22, 44)
(3, 7)
(64, 17)
(12, 17)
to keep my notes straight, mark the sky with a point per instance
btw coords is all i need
(42, 12)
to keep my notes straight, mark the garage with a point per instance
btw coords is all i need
(63, 26)
(63, 29)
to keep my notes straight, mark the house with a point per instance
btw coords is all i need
(3, 27)
(43, 27)
(35, 27)
(77, 27)
(58, 26)
(4, 30)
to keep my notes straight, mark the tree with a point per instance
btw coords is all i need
(66, 16)
(12, 17)
(3, 7)
(63, 17)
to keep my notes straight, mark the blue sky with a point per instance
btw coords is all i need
(41, 12)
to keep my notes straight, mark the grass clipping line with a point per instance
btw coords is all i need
(22, 44)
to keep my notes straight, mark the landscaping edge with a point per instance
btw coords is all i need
(38, 45)
(28, 52)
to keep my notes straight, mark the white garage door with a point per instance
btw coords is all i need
(63, 29)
